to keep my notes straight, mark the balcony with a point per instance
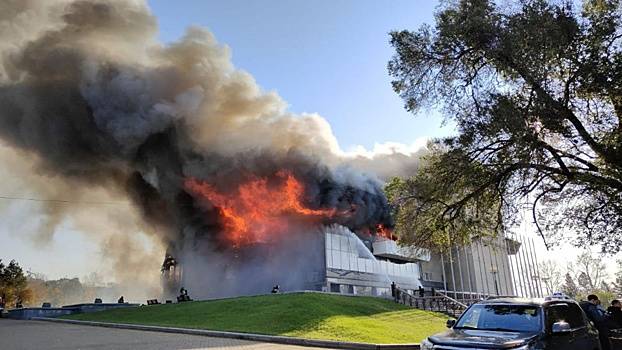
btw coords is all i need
(389, 249)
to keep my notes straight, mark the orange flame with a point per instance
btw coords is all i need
(385, 232)
(258, 210)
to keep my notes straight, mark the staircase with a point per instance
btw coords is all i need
(438, 302)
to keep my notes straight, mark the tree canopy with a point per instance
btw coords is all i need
(13, 284)
(535, 91)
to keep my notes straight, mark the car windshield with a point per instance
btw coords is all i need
(516, 318)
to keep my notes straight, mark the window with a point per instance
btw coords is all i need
(502, 317)
(570, 313)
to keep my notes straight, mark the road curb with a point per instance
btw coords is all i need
(237, 335)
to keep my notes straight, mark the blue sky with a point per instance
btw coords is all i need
(327, 57)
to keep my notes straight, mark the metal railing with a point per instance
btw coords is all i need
(438, 302)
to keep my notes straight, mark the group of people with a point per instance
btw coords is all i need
(604, 320)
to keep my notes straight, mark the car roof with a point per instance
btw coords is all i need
(525, 301)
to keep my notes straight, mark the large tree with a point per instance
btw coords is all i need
(13, 284)
(590, 271)
(570, 287)
(551, 275)
(535, 91)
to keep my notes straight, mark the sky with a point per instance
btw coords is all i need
(326, 56)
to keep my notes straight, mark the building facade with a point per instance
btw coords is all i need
(366, 267)
(496, 266)
(337, 260)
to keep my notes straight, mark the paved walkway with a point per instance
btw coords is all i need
(27, 335)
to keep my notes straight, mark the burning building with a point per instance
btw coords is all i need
(271, 230)
(241, 193)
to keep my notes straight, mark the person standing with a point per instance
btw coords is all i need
(601, 320)
(615, 310)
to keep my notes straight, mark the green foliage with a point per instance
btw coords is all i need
(423, 213)
(13, 284)
(587, 275)
(535, 89)
(308, 315)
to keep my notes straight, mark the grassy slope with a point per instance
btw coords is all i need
(309, 315)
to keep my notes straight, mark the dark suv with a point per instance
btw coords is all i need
(514, 323)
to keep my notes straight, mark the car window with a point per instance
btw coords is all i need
(570, 313)
(519, 318)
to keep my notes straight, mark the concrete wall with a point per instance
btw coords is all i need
(90, 307)
(433, 269)
(28, 313)
(483, 267)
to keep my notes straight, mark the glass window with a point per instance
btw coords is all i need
(361, 265)
(360, 290)
(569, 313)
(343, 243)
(345, 262)
(334, 244)
(517, 318)
(353, 261)
(336, 259)
(352, 244)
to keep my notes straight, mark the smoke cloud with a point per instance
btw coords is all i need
(95, 109)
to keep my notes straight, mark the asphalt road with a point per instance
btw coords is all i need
(29, 335)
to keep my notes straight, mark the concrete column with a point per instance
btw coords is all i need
(484, 269)
(469, 262)
(460, 271)
(443, 268)
(528, 279)
(512, 280)
(535, 267)
(521, 268)
(451, 265)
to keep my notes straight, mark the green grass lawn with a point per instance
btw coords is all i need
(305, 315)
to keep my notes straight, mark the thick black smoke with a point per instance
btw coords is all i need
(87, 90)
